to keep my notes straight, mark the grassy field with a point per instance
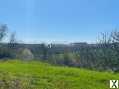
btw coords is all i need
(37, 75)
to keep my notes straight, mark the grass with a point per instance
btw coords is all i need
(37, 75)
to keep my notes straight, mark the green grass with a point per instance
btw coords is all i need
(37, 75)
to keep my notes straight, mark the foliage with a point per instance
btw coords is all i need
(103, 55)
(68, 58)
(25, 54)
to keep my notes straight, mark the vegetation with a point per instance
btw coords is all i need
(103, 55)
(29, 73)
(36, 75)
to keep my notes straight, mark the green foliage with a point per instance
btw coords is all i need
(5, 53)
(103, 55)
(25, 54)
(67, 58)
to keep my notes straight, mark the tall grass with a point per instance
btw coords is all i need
(36, 75)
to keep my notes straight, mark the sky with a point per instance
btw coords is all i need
(36, 21)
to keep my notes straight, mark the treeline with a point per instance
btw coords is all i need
(103, 55)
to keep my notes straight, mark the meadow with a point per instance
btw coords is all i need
(37, 75)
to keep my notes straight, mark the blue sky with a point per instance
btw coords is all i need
(59, 20)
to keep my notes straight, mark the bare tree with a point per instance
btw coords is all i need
(13, 41)
(3, 31)
(13, 38)
(115, 36)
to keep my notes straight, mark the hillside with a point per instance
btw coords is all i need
(37, 75)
